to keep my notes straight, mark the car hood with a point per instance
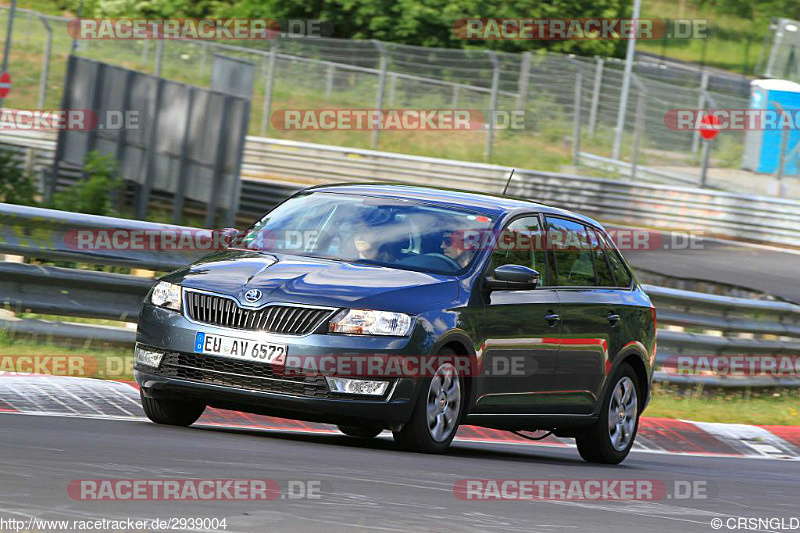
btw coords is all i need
(316, 281)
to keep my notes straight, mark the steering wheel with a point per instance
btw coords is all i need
(447, 259)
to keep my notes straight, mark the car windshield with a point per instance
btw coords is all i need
(389, 232)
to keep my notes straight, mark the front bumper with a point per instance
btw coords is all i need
(253, 387)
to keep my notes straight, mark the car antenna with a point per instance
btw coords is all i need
(509, 180)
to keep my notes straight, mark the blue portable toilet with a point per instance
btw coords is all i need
(762, 147)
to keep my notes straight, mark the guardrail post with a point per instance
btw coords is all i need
(273, 61)
(701, 104)
(524, 77)
(379, 93)
(598, 83)
(576, 119)
(145, 51)
(487, 151)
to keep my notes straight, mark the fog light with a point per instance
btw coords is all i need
(147, 357)
(357, 386)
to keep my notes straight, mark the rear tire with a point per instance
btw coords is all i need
(171, 412)
(611, 438)
(437, 413)
(361, 432)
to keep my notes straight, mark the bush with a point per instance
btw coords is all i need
(15, 186)
(96, 194)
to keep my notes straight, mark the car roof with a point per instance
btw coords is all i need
(487, 204)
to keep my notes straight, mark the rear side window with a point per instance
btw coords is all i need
(621, 273)
(572, 253)
(599, 253)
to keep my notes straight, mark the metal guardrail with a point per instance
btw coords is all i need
(691, 323)
(274, 167)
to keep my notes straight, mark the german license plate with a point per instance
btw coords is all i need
(265, 352)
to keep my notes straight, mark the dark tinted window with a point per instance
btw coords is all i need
(572, 251)
(521, 243)
(621, 273)
(599, 251)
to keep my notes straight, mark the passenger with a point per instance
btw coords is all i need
(451, 248)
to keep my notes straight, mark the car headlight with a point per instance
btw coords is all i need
(166, 295)
(362, 322)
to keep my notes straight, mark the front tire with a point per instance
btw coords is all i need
(361, 432)
(171, 412)
(435, 420)
(612, 436)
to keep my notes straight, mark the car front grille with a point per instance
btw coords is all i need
(280, 319)
(239, 374)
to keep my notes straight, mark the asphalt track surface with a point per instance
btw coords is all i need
(368, 486)
(768, 269)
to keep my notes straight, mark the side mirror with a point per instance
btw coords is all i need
(231, 237)
(513, 277)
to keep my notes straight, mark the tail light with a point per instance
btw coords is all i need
(655, 334)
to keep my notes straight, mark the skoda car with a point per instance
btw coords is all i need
(503, 313)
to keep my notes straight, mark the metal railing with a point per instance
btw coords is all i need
(691, 323)
(274, 166)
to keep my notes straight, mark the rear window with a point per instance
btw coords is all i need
(621, 273)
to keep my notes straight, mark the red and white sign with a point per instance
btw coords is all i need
(709, 127)
(5, 84)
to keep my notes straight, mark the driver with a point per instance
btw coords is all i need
(451, 248)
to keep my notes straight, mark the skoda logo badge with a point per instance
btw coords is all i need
(253, 295)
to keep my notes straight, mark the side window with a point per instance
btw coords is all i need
(621, 273)
(572, 252)
(599, 252)
(521, 243)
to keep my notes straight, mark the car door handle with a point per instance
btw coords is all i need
(613, 318)
(552, 318)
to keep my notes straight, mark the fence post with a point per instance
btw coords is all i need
(205, 54)
(392, 89)
(145, 51)
(626, 82)
(524, 77)
(7, 47)
(487, 151)
(273, 62)
(159, 56)
(598, 83)
(30, 154)
(456, 96)
(701, 104)
(638, 131)
(576, 119)
(329, 74)
(379, 93)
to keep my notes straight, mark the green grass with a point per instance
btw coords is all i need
(95, 361)
(766, 407)
(726, 48)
